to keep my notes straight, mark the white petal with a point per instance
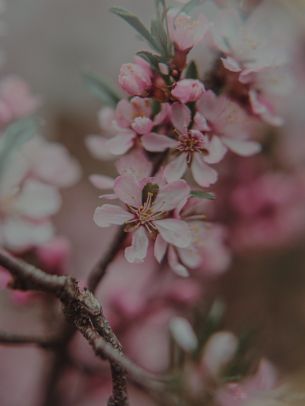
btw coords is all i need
(242, 147)
(157, 142)
(176, 168)
(175, 232)
(109, 214)
(138, 249)
(202, 173)
(160, 248)
(183, 333)
(37, 200)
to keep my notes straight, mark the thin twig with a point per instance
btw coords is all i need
(10, 339)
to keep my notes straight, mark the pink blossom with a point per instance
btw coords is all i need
(16, 100)
(184, 31)
(146, 213)
(29, 193)
(236, 394)
(269, 211)
(54, 255)
(227, 123)
(135, 79)
(191, 147)
(188, 90)
(129, 122)
(207, 254)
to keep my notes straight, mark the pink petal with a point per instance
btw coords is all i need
(190, 257)
(160, 248)
(175, 232)
(124, 113)
(127, 189)
(120, 144)
(142, 125)
(200, 122)
(202, 173)
(97, 146)
(181, 117)
(217, 151)
(138, 249)
(176, 168)
(172, 195)
(157, 142)
(231, 64)
(242, 147)
(175, 265)
(109, 214)
(101, 181)
(134, 164)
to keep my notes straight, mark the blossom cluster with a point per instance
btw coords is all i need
(177, 123)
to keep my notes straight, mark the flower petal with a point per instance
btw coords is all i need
(181, 117)
(109, 214)
(97, 146)
(160, 248)
(175, 232)
(154, 142)
(121, 143)
(127, 189)
(175, 265)
(101, 181)
(176, 168)
(134, 164)
(202, 173)
(217, 151)
(38, 200)
(171, 195)
(242, 147)
(138, 249)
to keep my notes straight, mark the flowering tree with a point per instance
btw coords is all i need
(183, 128)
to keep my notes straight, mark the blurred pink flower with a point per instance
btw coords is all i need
(184, 31)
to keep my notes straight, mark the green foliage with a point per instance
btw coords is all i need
(134, 22)
(101, 90)
(188, 7)
(203, 195)
(14, 136)
(192, 71)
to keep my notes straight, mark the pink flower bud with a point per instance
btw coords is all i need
(188, 90)
(135, 79)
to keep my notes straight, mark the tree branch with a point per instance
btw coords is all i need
(47, 343)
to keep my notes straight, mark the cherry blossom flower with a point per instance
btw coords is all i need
(226, 122)
(16, 100)
(147, 213)
(207, 253)
(135, 78)
(184, 31)
(188, 90)
(192, 147)
(29, 194)
(129, 122)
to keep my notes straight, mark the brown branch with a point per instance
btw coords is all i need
(47, 343)
(81, 308)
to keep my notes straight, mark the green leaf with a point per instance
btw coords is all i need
(134, 22)
(101, 90)
(192, 71)
(188, 7)
(203, 195)
(14, 136)
(152, 59)
(160, 38)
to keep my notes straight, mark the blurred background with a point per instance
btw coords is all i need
(49, 43)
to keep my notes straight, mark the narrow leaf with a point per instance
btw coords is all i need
(134, 22)
(14, 136)
(203, 195)
(152, 59)
(188, 7)
(101, 90)
(160, 38)
(192, 71)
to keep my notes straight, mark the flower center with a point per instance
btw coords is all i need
(191, 143)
